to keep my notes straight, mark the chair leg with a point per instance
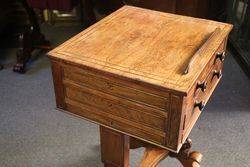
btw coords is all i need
(24, 52)
(32, 16)
(29, 40)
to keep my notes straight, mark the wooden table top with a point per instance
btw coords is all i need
(147, 46)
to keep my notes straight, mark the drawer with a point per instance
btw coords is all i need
(115, 106)
(196, 104)
(201, 97)
(95, 103)
(129, 91)
(216, 61)
(203, 87)
(128, 126)
(202, 90)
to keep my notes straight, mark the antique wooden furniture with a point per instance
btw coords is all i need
(144, 74)
(32, 38)
(13, 21)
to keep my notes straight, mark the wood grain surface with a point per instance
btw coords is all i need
(126, 73)
(144, 45)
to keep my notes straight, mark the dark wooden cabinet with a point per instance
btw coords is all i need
(160, 5)
(209, 9)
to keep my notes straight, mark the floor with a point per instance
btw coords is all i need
(34, 134)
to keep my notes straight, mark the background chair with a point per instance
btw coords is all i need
(32, 38)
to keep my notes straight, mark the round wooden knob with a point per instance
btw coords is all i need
(216, 73)
(220, 56)
(202, 86)
(200, 105)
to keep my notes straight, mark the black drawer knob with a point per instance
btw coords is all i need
(202, 86)
(216, 73)
(200, 105)
(220, 56)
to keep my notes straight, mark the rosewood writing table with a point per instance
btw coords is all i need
(144, 77)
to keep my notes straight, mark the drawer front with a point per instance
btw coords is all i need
(122, 108)
(156, 99)
(211, 82)
(216, 61)
(111, 112)
(123, 125)
(113, 105)
(206, 85)
(202, 90)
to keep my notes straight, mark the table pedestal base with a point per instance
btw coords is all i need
(115, 148)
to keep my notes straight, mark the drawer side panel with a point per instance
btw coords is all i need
(196, 95)
(57, 73)
(109, 108)
(174, 125)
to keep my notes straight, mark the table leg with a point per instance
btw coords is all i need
(114, 148)
(115, 151)
(153, 156)
(187, 157)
